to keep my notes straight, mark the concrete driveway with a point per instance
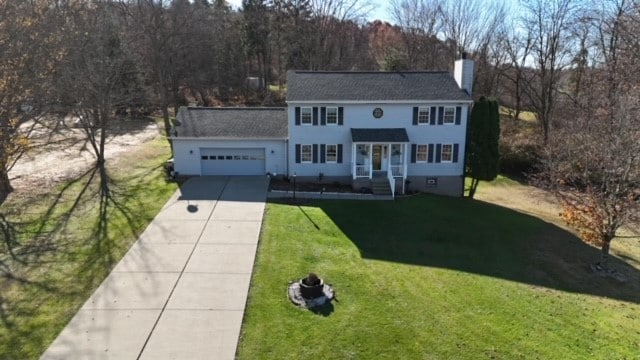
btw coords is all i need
(181, 290)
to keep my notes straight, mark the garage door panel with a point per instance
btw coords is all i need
(232, 161)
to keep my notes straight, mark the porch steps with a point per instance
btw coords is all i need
(380, 186)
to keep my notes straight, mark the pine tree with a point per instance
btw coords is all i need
(482, 147)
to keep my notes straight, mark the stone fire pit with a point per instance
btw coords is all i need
(310, 292)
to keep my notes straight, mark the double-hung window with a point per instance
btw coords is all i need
(306, 117)
(331, 155)
(449, 115)
(423, 115)
(332, 116)
(306, 153)
(447, 153)
(421, 153)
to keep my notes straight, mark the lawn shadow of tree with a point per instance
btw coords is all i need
(77, 226)
(480, 238)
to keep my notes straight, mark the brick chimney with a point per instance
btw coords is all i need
(463, 73)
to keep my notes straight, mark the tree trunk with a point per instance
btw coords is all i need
(5, 184)
(5, 141)
(473, 187)
(606, 244)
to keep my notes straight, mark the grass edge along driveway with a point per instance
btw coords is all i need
(433, 277)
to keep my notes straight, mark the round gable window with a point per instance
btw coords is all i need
(377, 113)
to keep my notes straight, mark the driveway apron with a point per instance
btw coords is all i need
(181, 290)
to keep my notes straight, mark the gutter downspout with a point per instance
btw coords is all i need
(286, 155)
(464, 155)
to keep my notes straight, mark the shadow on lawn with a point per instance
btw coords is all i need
(62, 256)
(480, 238)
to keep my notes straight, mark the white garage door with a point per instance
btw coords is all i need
(232, 161)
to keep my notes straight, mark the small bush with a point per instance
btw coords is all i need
(520, 147)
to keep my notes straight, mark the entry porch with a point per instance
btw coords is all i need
(380, 154)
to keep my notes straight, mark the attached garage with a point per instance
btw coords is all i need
(230, 141)
(232, 161)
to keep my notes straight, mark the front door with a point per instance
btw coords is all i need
(377, 157)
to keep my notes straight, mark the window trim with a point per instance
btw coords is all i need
(426, 109)
(426, 153)
(453, 116)
(302, 113)
(442, 160)
(302, 161)
(326, 115)
(326, 154)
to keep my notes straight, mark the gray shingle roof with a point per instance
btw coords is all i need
(372, 86)
(394, 135)
(231, 123)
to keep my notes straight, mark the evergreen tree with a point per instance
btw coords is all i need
(482, 143)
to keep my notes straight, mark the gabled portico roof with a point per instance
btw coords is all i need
(385, 135)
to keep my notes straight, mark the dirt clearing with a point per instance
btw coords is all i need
(64, 153)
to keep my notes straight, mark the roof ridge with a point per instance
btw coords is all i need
(369, 72)
(234, 108)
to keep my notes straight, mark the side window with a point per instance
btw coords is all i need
(447, 152)
(332, 116)
(422, 152)
(449, 115)
(332, 153)
(306, 116)
(306, 153)
(423, 115)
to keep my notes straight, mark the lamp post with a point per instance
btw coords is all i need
(294, 186)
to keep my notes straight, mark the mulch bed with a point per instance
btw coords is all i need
(287, 185)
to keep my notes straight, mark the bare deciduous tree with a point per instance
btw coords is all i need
(549, 22)
(99, 74)
(25, 67)
(420, 21)
(593, 160)
(592, 164)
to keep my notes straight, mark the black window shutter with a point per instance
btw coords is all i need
(322, 153)
(414, 149)
(455, 153)
(297, 115)
(315, 153)
(323, 116)
(340, 115)
(458, 114)
(438, 152)
(415, 115)
(440, 115)
(432, 117)
(430, 154)
(297, 153)
(339, 153)
(315, 116)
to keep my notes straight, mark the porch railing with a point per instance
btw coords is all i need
(396, 170)
(392, 184)
(362, 170)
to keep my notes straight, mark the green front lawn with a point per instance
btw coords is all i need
(60, 259)
(431, 277)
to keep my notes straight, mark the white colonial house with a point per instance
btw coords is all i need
(388, 131)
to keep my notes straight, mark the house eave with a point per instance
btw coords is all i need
(374, 102)
(196, 138)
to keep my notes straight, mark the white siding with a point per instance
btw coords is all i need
(361, 116)
(186, 153)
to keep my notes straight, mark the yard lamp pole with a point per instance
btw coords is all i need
(294, 186)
